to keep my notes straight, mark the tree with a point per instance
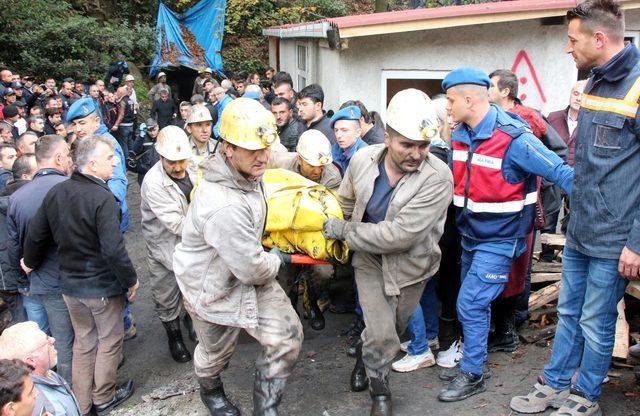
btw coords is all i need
(47, 38)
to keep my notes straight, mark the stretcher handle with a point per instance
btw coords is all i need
(302, 259)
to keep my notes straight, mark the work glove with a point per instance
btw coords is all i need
(334, 228)
(282, 256)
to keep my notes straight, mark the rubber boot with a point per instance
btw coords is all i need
(359, 380)
(380, 397)
(214, 398)
(505, 337)
(267, 394)
(188, 324)
(316, 318)
(547, 254)
(177, 348)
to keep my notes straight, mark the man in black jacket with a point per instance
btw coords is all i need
(81, 216)
(289, 126)
(53, 166)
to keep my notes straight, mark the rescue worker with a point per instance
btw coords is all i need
(164, 199)
(346, 126)
(394, 197)
(199, 128)
(496, 159)
(312, 160)
(226, 278)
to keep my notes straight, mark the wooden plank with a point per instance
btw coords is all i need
(633, 289)
(556, 241)
(543, 296)
(621, 346)
(536, 315)
(531, 336)
(545, 277)
(542, 267)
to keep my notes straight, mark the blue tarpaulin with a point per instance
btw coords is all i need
(192, 39)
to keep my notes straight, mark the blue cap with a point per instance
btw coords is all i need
(348, 113)
(466, 75)
(81, 108)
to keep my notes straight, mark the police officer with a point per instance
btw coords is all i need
(227, 279)
(496, 159)
(84, 116)
(395, 197)
(312, 160)
(164, 199)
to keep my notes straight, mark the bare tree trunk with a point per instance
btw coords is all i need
(381, 6)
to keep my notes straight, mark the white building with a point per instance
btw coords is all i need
(370, 57)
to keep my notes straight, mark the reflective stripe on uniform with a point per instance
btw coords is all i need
(496, 207)
(628, 106)
(478, 159)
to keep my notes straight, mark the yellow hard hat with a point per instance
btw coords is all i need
(173, 144)
(412, 114)
(198, 113)
(247, 124)
(314, 148)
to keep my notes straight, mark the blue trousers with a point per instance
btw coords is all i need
(483, 277)
(424, 324)
(36, 312)
(587, 312)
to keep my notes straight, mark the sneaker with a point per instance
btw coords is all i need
(130, 333)
(463, 386)
(414, 362)
(448, 374)
(576, 405)
(539, 399)
(450, 357)
(434, 344)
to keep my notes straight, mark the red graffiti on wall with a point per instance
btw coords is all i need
(524, 72)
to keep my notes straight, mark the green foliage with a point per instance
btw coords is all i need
(52, 39)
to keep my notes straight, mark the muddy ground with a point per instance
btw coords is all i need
(320, 383)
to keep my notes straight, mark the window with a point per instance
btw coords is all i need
(396, 80)
(301, 52)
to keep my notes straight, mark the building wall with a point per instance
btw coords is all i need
(356, 72)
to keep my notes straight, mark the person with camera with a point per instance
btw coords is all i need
(143, 154)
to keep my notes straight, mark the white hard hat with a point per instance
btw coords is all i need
(412, 114)
(129, 78)
(314, 147)
(173, 144)
(161, 74)
(207, 69)
(198, 113)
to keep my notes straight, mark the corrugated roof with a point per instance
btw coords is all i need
(430, 18)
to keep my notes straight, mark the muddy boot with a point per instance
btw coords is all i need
(177, 348)
(267, 394)
(547, 254)
(316, 318)
(214, 398)
(505, 337)
(380, 397)
(188, 324)
(359, 380)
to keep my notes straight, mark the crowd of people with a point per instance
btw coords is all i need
(441, 204)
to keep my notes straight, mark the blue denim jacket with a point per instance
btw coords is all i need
(605, 203)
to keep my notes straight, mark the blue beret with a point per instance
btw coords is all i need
(348, 113)
(81, 108)
(466, 75)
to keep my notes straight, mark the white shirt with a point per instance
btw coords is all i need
(571, 124)
(21, 125)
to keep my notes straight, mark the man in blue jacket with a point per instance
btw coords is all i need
(83, 114)
(496, 159)
(602, 252)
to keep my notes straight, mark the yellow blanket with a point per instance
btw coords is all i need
(297, 210)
